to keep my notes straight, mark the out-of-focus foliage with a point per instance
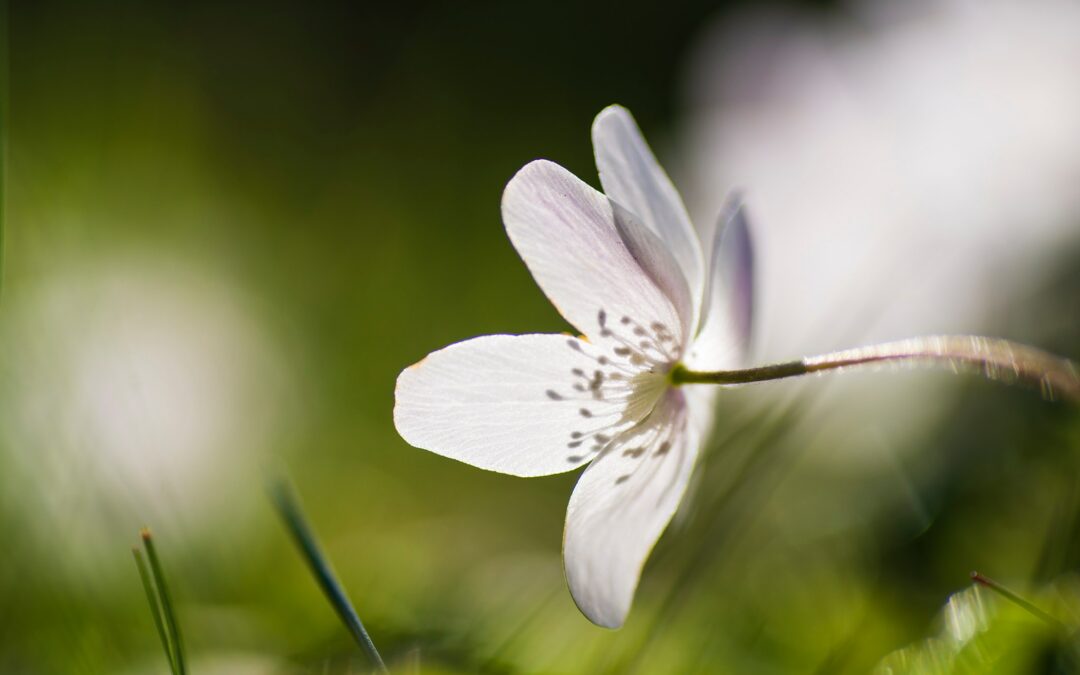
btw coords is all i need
(228, 229)
(980, 635)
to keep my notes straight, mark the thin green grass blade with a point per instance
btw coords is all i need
(1004, 592)
(155, 607)
(320, 567)
(166, 602)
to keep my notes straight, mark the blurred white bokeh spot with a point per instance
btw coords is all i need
(136, 391)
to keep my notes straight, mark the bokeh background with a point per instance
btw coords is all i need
(229, 226)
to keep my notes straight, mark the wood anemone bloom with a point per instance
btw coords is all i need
(626, 268)
(661, 315)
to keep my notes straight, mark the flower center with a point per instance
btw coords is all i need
(631, 370)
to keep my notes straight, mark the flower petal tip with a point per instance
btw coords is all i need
(613, 111)
(603, 612)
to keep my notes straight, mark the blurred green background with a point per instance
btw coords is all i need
(230, 226)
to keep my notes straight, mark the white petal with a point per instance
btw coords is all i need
(701, 407)
(728, 306)
(566, 233)
(632, 177)
(526, 405)
(657, 261)
(621, 505)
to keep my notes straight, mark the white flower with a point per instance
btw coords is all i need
(626, 269)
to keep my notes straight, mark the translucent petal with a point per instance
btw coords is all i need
(621, 505)
(727, 309)
(656, 259)
(701, 405)
(567, 235)
(526, 405)
(632, 177)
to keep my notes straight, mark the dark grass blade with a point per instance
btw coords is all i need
(320, 567)
(155, 607)
(166, 602)
(1016, 599)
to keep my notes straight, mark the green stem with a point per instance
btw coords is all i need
(996, 359)
(166, 602)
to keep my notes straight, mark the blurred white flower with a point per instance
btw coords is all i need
(626, 269)
(134, 391)
(912, 167)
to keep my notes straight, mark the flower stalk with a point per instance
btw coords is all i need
(995, 359)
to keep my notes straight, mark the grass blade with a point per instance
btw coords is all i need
(986, 581)
(166, 602)
(155, 607)
(305, 539)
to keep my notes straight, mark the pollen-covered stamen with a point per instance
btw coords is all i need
(615, 368)
(609, 381)
(633, 359)
(637, 446)
(654, 344)
(589, 442)
(602, 360)
(657, 338)
(594, 435)
(651, 440)
(653, 436)
(593, 441)
(608, 400)
(637, 346)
